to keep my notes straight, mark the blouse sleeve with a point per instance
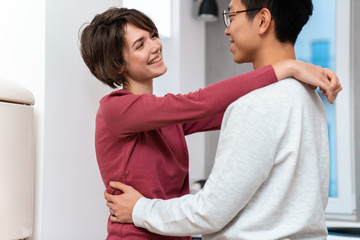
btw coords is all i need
(208, 124)
(128, 114)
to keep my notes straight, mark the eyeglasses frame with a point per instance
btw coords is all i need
(227, 12)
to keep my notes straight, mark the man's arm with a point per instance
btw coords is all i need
(242, 164)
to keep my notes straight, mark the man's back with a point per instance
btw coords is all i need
(279, 135)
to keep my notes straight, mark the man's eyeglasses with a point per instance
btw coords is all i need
(227, 15)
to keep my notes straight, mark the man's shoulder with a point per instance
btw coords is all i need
(282, 88)
(288, 89)
(278, 98)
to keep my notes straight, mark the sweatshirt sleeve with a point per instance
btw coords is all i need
(128, 114)
(208, 124)
(244, 159)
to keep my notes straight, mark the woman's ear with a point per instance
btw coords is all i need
(264, 20)
(122, 70)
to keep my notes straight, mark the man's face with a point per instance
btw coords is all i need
(242, 34)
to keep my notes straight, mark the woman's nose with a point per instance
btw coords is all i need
(156, 45)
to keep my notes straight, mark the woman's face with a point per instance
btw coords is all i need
(143, 55)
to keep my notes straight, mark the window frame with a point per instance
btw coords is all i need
(343, 207)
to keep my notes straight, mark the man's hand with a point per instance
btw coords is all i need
(121, 206)
(313, 75)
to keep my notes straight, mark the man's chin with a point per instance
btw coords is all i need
(242, 58)
(238, 61)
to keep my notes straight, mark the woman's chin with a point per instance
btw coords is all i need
(162, 72)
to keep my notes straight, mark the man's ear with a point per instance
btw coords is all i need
(264, 20)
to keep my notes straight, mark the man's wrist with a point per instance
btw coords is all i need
(138, 212)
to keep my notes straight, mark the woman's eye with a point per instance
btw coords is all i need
(154, 35)
(140, 46)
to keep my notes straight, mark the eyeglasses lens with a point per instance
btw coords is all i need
(226, 18)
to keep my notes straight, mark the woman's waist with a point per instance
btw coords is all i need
(159, 188)
(118, 231)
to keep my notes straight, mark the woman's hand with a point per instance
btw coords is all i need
(121, 206)
(313, 75)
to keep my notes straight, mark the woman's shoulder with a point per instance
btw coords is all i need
(117, 93)
(114, 95)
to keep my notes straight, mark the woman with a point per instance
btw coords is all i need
(140, 137)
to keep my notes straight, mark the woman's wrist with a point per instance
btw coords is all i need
(285, 69)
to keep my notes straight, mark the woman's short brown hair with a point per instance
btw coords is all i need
(103, 40)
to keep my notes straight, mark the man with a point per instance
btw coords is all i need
(270, 177)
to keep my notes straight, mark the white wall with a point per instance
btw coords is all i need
(73, 206)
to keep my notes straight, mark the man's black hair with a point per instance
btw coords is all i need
(289, 15)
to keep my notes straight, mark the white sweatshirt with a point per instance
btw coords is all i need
(270, 178)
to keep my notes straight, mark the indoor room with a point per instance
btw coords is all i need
(50, 184)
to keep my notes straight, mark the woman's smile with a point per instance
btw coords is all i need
(155, 60)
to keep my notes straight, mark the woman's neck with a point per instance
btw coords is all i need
(139, 88)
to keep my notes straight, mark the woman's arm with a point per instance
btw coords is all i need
(128, 114)
(208, 124)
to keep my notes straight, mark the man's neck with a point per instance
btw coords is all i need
(273, 53)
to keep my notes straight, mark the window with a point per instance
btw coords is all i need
(158, 10)
(325, 41)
